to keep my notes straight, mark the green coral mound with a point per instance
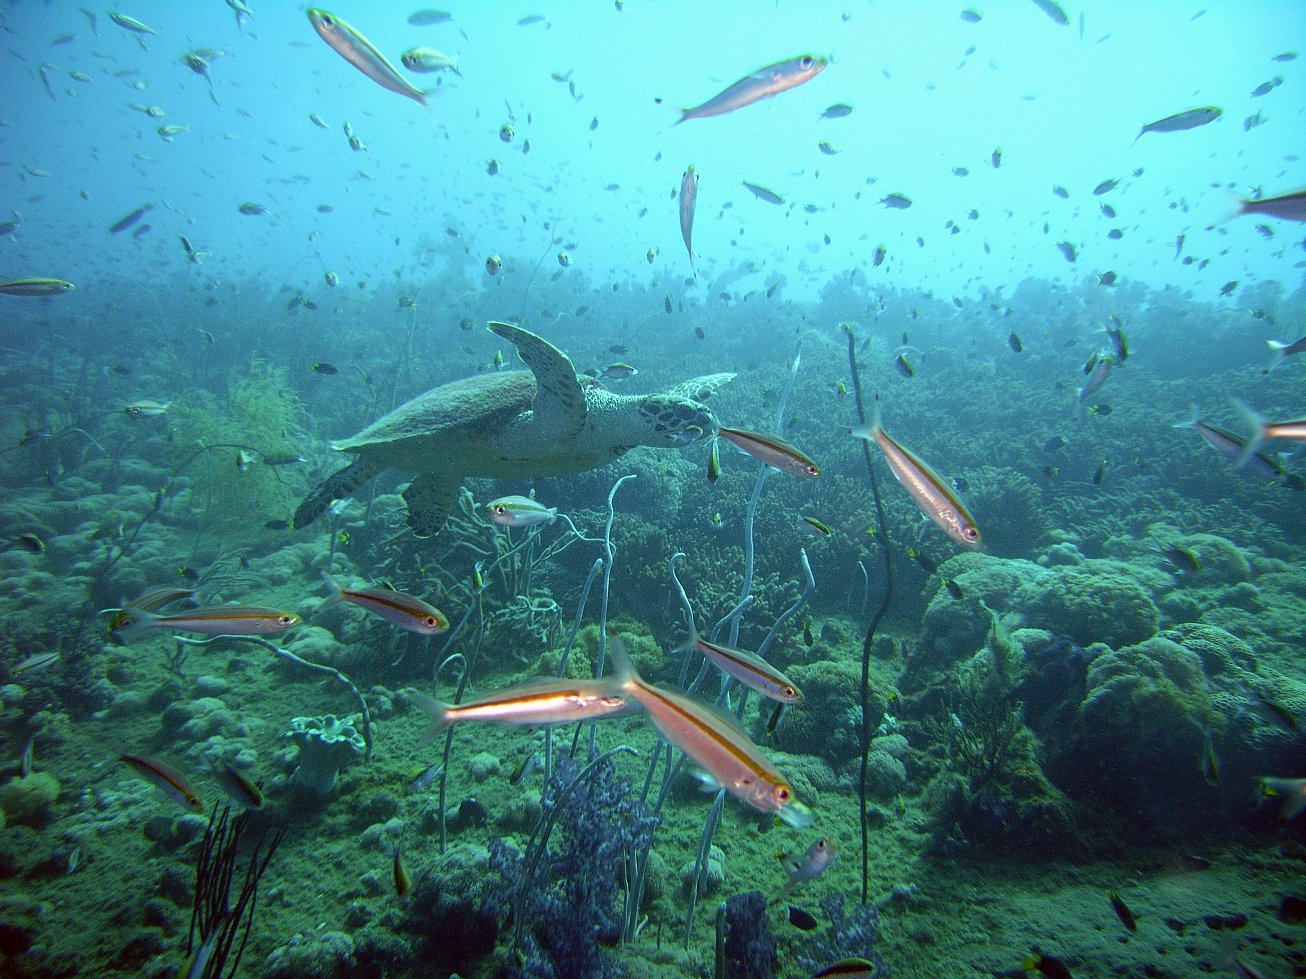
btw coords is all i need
(28, 798)
(1096, 601)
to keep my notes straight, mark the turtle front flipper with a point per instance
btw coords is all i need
(335, 487)
(430, 497)
(559, 408)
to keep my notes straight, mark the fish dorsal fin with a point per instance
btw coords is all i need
(559, 406)
(699, 388)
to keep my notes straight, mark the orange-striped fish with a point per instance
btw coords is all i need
(540, 703)
(772, 450)
(750, 670)
(714, 741)
(406, 611)
(151, 600)
(221, 620)
(930, 490)
(165, 778)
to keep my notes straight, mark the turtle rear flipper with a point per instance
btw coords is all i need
(336, 487)
(430, 497)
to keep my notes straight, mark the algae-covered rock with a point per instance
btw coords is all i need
(826, 723)
(28, 798)
(1096, 601)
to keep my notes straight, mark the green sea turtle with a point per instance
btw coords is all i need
(546, 421)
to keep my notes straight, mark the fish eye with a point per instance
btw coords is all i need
(782, 793)
(790, 692)
(812, 470)
(286, 619)
(500, 510)
(328, 21)
(431, 622)
(805, 62)
(970, 533)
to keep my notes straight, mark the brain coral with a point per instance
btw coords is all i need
(1097, 601)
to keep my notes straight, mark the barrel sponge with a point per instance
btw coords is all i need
(1097, 601)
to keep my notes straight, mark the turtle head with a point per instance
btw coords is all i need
(669, 420)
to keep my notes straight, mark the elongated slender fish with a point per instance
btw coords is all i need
(165, 778)
(932, 493)
(222, 620)
(688, 201)
(750, 670)
(1231, 447)
(763, 193)
(772, 450)
(1188, 119)
(1290, 207)
(713, 741)
(1263, 431)
(359, 52)
(761, 84)
(35, 287)
(1053, 10)
(540, 703)
(406, 611)
(131, 24)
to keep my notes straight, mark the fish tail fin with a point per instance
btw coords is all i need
(1256, 432)
(1237, 206)
(334, 595)
(868, 430)
(1139, 136)
(1194, 419)
(1278, 346)
(135, 622)
(436, 710)
(623, 668)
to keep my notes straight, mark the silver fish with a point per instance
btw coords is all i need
(761, 84)
(1188, 119)
(359, 52)
(688, 201)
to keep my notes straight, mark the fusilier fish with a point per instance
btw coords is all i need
(714, 742)
(1264, 431)
(406, 611)
(931, 492)
(531, 704)
(230, 620)
(426, 60)
(165, 778)
(1290, 207)
(772, 450)
(750, 670)
(36, 287)
(688, 201)
(131, 24)
(1188, 119)
(519, 511)
(763, 193)
(359, 52)
(761, 84)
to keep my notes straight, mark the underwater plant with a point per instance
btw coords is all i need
(214, 919)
